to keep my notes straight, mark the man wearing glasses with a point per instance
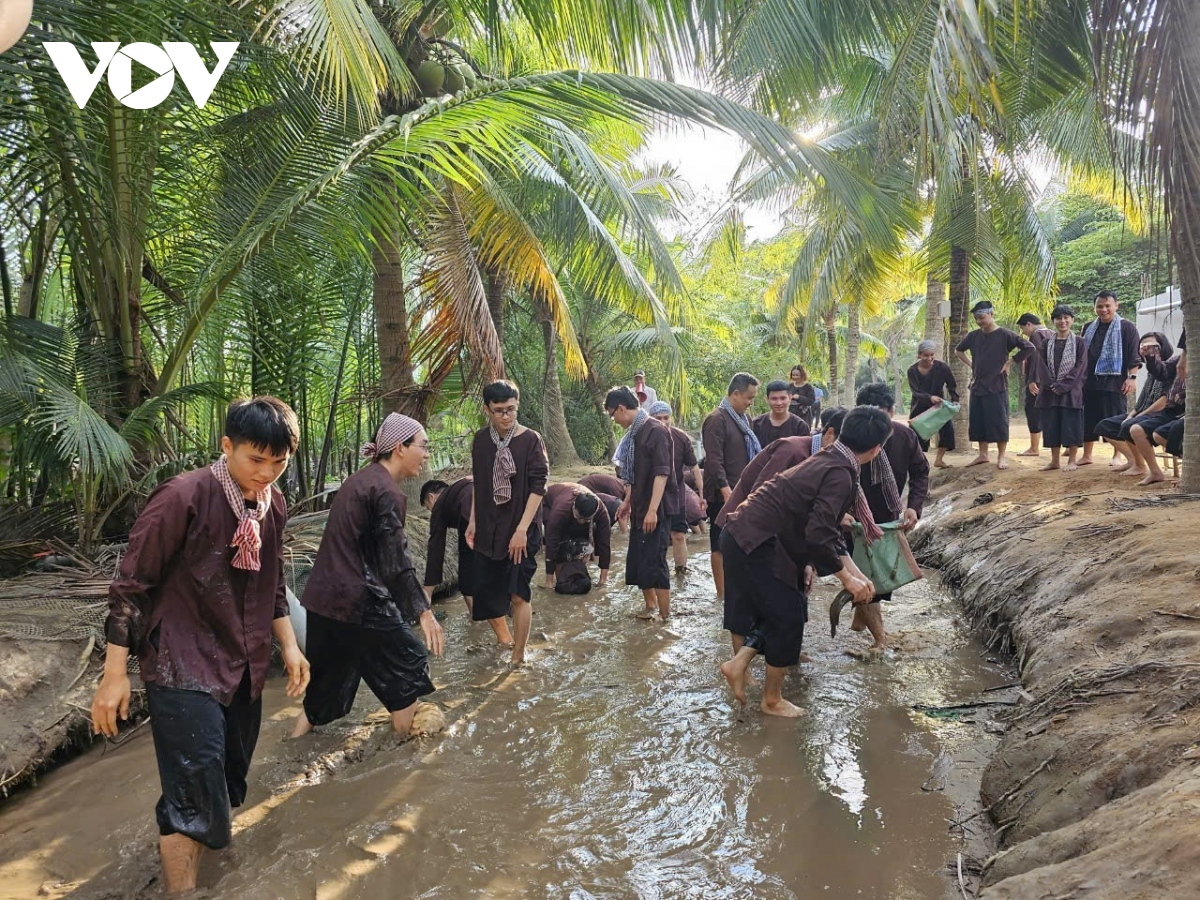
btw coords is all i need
(510, 468)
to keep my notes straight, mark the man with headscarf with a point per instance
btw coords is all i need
(1113, 363)
(648, 470)
(729, 445)
(510, 468)
(883, 479)
(684, 455)
(990, 347)
(364, 596)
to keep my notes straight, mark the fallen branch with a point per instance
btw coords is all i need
(1177, 615)
(1009, 794)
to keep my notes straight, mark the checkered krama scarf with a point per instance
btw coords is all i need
(395, 430)
(504, 467)
(248, 536)
(862, 509)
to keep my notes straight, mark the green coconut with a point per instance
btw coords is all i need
(431, 76)
(468, 75)
(454, 80)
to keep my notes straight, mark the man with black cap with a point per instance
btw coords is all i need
(991, 357)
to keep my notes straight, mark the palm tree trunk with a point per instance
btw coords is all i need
(1185, 223)
(960, 294)
(830, 320)
(935, 328)
(495, 300)
(396, 381)
(559, 445)
(852, 341)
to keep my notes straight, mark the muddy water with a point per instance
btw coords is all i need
(614, 767)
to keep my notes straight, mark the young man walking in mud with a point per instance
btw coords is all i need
(363, 596)
(648, 470)
(729, 445)
(510, 468)
(991, 357)
(793, 521)
(198, 596)
(577, 528)
(883, 481)
(449, 507)
(1113, 362)
(779, 422)
(684, 455)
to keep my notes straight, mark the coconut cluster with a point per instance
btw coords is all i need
(443, 74)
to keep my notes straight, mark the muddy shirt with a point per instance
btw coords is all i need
(724, 454)
(561, 524)
(363, 573)
(803, 508)
(909, 466)
(768, 431)
(496, 525)
(600, 483)
(777, 457)
(194, 622)
(452, 509)
(653, 455)
(989, 352)
(1069, 393)
(939, 382)
(1131, 357)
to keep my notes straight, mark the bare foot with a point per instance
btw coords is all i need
(1071, 467)
(1002, 464)
(1123, 467)
(782, 708)
(1030, 452)
(517, 662)
(302, 727)
(978, 461)
(1132, 472)
(1085, 462)
(645, 614)
(1050, 466)
(1152, 479)
(942, 464)
(736, 676)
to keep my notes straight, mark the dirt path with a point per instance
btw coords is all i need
(614, 767)
(1093, 583)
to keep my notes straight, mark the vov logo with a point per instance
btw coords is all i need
(173, 57)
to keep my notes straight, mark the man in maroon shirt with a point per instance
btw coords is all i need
(198, 595)
(577, 528)
(685, 461)
(510, 468)
(449, 506)
(794, 521)
(647, 468)
(780, 422)
(363, 596)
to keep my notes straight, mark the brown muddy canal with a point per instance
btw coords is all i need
(614, 767)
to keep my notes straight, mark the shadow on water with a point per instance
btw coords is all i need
(616, 766)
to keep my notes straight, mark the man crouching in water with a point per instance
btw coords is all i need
(199, 594)
(793, 521)
(364, 594)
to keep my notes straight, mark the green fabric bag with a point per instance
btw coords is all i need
(930, 422)
(889, 561)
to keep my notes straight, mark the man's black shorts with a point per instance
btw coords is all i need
(1098, 406)
(646, 559)
(777, 610)
(679, 523)
(498, 580)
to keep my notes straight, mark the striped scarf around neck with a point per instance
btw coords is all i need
(504, 467)
(753, 447)
(626, 450)
(1068, 356)
(248, 536)
(862, 509)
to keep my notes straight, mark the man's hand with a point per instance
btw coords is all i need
(110, 703)
(1007, 365)
(517, 547)
(935, 400)
(650, 522)
(469, 537)
(431, 628)
(297, 667)
(1129, 386)
(847, 522)
(909, 520)
(726, 493)
(860, 588)
(1035, 388)
(810, 575)
(623, 512)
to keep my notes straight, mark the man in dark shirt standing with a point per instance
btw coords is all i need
(510, 468)
(729, 444)
(363, 594)
(780, 422)
(198, 595)
(991, 347)
(684, 461)
(792, 521)
(449, 506)
(1113, 362)
(647, 468)
(1037, 334)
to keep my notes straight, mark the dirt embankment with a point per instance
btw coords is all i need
(1094, 585)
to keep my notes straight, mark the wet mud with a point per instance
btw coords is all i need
(616, 765)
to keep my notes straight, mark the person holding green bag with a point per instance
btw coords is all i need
(901, 463)
(931, 381)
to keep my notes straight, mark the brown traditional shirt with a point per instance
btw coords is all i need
(693, 506)
(909, 466)
(777, 457)
(452, 509)
(363, 573)
(1031, 368)
(802, 508)
(939, 381)
(194, 622)
(561, 524)
(989, 352)
(653, 455)
(768, 431)
(724, 454)
(1065, 391)
(600, 483)
(496, 525)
